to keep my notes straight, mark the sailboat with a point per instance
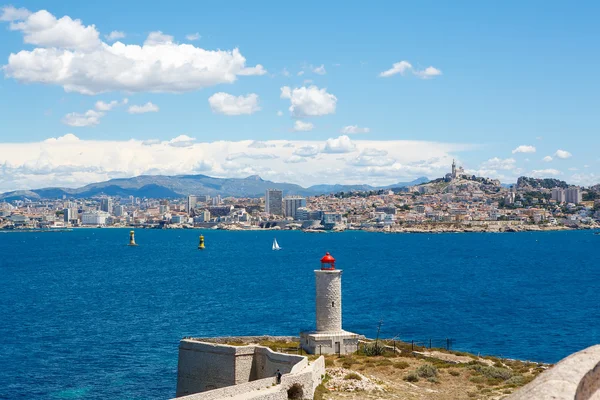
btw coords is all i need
(276, 245)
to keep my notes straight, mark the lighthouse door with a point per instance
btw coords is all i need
(337, 347)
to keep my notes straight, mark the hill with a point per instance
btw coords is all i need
(161, 186)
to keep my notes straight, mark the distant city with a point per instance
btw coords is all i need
(456, 202)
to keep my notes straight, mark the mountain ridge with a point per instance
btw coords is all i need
(177, 186)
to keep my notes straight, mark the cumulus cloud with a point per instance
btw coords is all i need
(544, 173)
(563, 154)
(181, 141)
(146, 108)
(89, 118)
(309, 101)
(71, 55)
(72, 162)
(258, 144)
(193, 36)
(342, 144)
(374, 152)
(227, 104)
(353, 129)
(319, 70)
(10, 14)
(547, 159)
(498, 163)
(102, 106)
(300, 126)
(524, 149)
(403, 67)
(114, 35)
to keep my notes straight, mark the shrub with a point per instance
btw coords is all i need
(348, 362)
(329, 362)
(515, 380)
(412, 377)
(427, 371)
(320, 392)
(433, 379)
(493, 372)
(295, 391)
(353, 376)
(374, 349)
(401, 365)
(454, 372)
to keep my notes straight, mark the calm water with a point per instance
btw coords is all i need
(83, 315)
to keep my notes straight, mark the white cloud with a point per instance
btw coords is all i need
(403, 67)
(374, 152)
(524, 149)
(114, 35)
(72, 56)
(102, 106)
(68, 161)
(227, 104)
(280, 113)
(547, 159)
(181, 141)
(498, 163)
(300, 73)
(398, 68)
(428, 73)
(544, 173)
(563, 154)
(342, 144)
(146, 108)
(89, 118)
(319, 70)
(300, 126)
(10, 13)
(353, 129)
(309, 101)
(44, 29)
(285, 72)
(193, 36)
(369, 161)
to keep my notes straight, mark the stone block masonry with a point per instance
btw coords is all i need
(210, 371)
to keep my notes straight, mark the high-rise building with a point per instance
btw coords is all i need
(291, 204)
(216, 200)
(573, 195)
(118, 211)
(558, 195)
(191, 203)
(274, 202)
(106, 204)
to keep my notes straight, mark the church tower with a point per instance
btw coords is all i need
(453, 169)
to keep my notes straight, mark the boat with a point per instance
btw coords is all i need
(276, 245)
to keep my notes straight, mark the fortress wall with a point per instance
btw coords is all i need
(267, 362)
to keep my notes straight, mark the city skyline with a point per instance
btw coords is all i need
(364, 96)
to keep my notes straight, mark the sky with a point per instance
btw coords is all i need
(307, 93)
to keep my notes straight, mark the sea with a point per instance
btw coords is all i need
(82, 315)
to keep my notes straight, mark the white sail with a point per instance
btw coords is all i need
(276, 245)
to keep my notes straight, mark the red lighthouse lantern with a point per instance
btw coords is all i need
(327, 262)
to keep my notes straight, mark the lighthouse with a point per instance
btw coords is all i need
(329, 337)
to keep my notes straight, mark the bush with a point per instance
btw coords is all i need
(329, 362)
(515, 380)
(427, 371)
(295, 391)
(348, 362)
(374, 349)
(320, 392)
(493, 372)
(433, 379)
(353, 376)
(454, 372)
(412, 377)
(401, 365)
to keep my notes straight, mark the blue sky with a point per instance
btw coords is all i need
(506, 74)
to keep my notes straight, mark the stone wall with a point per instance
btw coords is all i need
(575, 377)
(214, 371)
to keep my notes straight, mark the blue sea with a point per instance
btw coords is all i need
(82, 315)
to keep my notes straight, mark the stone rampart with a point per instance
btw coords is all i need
(209, 371)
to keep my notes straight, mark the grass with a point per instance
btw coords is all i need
(353, 376)
(411, 377)
(401, 365)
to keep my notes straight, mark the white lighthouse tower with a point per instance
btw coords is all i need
(329, 337)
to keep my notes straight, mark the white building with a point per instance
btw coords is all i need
(274, 202)
(191, 203)
(573, 195)
(291, 205)
(202, 216)
(118, 211)
(94, 218)
(558, 195)
(329, 337)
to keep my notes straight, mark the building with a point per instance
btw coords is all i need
(274, 202)
(106, 204)
(191, 203)
(558, 195)
(118, 211)
(573, 195)
(94, 218)
(302, 213)
(69, 214)
(329, 337)
(202, 216)
(220, 211)
(217, 200)
(291, 205)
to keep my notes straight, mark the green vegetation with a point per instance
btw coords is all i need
(411, 377)
(427, 371)
(353, 376)
(401, 365)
